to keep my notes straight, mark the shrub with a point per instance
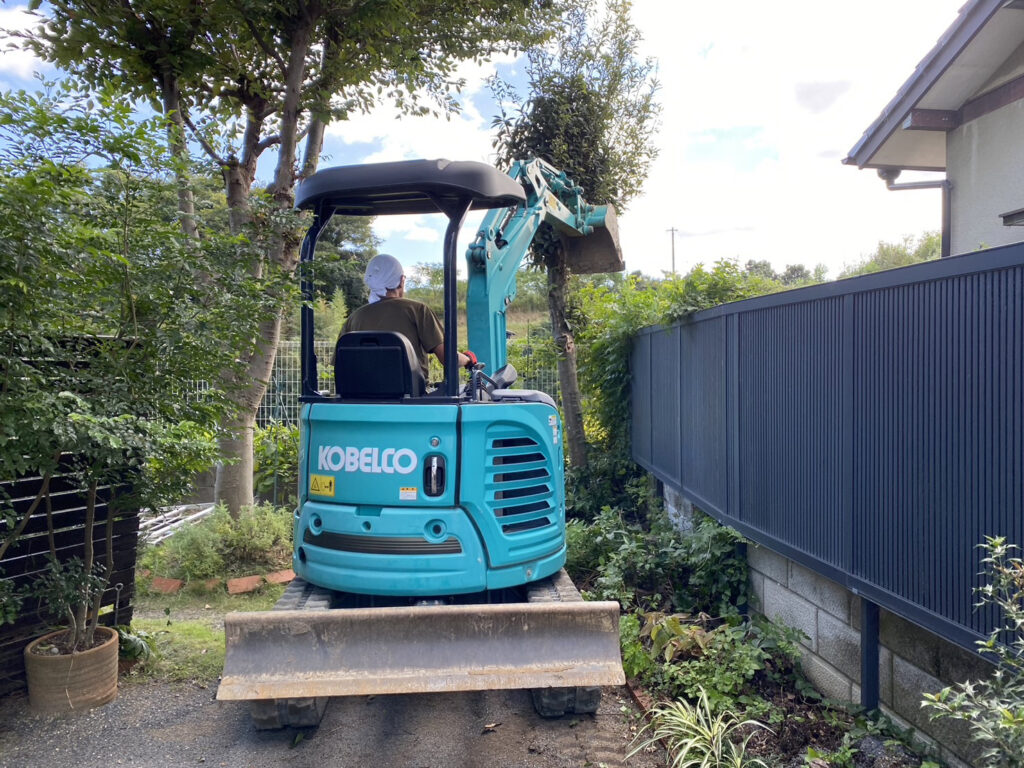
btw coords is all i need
(994, 708)
(260, 535)
(219, 545)
(276, 463)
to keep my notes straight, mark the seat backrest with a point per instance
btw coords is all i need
(372, 365)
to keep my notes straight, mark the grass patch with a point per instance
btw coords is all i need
(192, 603)
(189, 632)
(187, 652)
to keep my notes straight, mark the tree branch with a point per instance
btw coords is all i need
(207, 147)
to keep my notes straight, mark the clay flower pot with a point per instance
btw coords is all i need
(72, 682)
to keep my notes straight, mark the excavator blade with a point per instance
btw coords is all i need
(419, 649)
(600, 250)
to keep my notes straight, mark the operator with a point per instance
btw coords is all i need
(389, 310)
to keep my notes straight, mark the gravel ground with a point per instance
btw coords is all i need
(180, 725)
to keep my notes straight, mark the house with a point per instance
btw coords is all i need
(962, 113)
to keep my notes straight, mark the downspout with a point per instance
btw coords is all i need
(889, 176)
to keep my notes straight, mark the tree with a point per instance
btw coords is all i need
(591, 112)
(239, 78)
(907, 251)
(106, 322)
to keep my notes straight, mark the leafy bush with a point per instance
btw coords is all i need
(994, 707)
(681, 655)
(219, 545)
(193, 552)
(276, 463)
(699, 736)
(649, 565)
(260, 535)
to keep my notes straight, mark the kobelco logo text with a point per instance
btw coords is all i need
(371, 460)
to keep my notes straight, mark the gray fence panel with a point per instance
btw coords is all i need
(705, 411)
(871, 429)
(665, 400)
(643, 383)
(790, 375)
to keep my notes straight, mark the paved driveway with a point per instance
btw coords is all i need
(177, 725)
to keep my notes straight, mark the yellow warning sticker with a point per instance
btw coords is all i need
(321, 485)
(407, 494)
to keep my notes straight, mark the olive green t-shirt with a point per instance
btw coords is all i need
(413, 319)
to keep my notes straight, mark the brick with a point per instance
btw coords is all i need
(166, 586)
(829, 681)
(792, 610)
(839, 645)
(244, 584)
(824, 593)
(771, 564)
(280, 577)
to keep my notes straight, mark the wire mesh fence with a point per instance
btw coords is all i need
(533, 362)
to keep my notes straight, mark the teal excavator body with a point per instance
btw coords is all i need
(410, 492)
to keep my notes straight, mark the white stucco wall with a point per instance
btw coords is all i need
(985, 164)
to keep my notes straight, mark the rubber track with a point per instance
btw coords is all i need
(557, 702)
(271, 714)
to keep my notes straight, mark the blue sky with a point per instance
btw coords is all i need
(761, 102)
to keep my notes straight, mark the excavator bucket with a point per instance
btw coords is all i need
(600, 250)
(419, 649)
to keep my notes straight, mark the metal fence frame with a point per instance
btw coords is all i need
(869, 429)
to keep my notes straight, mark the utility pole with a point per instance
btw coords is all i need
(673, 230)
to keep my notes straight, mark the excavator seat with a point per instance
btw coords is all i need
(376, 365)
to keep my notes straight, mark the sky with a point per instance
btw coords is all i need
(761, 102)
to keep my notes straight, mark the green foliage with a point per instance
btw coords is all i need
(994, 707)
(698, 736)
(259, 538)
(591, 110)
(276, 463)
(681, 655)
(135, 644)
(647, 564)
(193, 552)
(615, 313)
(64, 586)
(10, 601)
(899, 254)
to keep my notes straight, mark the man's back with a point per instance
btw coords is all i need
(413, 319)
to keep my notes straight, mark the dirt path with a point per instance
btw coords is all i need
(178, 725)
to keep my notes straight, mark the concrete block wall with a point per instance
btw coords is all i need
(912, 661)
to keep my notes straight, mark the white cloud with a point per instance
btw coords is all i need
(760, 103)
(18, 64)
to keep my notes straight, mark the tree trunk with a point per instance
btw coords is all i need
(179, 151)
(233, 485)
(572, 409)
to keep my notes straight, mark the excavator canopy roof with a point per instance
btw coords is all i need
(409, 186)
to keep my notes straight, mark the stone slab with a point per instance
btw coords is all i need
(280, 577)
(824, 593)
(166, 586)
(771, 564)
(244, 584)
(790, 609)
(829, 681)
(839, 645)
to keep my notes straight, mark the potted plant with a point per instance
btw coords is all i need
(73, 668)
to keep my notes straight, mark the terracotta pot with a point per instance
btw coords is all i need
(72, 682)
